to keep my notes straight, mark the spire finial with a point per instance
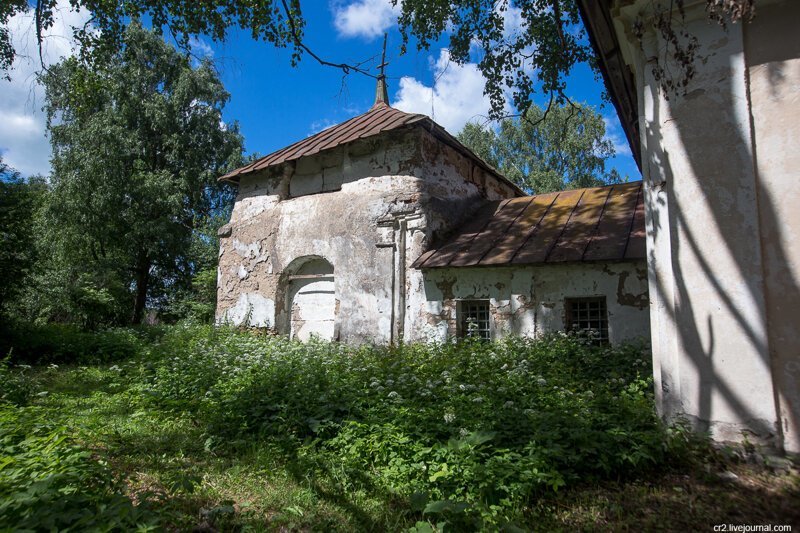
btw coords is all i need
(382, 92)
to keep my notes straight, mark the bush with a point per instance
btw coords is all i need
(465, 432)
(62, 343)
(48, 483)
(16, 386)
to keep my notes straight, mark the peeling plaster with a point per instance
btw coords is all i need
(251, 309)
(398, 194)
(533, 301)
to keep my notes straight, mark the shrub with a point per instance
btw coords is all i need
(62, 343)
(467, 432)
(16, 386)
(48, 483)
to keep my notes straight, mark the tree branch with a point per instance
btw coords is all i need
(346, 68)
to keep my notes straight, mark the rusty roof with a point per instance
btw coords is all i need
(379, 119)
(595, 224)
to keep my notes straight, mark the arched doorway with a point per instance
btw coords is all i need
(312, 300)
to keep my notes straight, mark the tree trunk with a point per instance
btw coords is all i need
(142, 282)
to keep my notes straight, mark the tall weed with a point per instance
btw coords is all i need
(49, 483)
(466, 432)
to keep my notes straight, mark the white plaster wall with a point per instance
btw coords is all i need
(529, 300)
(713, 191)
(772, 54)
(370, 209)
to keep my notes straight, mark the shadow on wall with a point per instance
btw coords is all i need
(724, 167)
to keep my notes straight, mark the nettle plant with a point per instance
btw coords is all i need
(467, 433)
(50, 483)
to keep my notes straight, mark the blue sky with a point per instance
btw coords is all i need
(276, 104)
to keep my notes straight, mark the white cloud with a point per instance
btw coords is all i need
(200, 47)
(320, 125)
(513, 23)
(455, 98)
(22, 122)
(365, 18)
(615, 134)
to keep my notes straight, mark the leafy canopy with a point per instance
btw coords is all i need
(20, 201)
(563, 148)
(138, 143)
(549, 42)
(535, 53)
(266, 20)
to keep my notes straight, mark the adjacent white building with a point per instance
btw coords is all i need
(720, 165)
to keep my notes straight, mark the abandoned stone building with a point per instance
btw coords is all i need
(386, 228)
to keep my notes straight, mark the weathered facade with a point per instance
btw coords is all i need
(367, 208)
(720, 169)
(345, 235)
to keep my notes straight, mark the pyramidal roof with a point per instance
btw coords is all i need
(380, 118)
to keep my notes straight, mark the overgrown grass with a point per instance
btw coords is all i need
(239, 431)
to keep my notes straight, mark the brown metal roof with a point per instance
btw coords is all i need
(380, 118)
(596, 224)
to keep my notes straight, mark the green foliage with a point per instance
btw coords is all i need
(367, 466)
(466, 433)
(49, 483)
(63, 343)
(138, 143)
(7, 52)
(183, 19)
(16, 386)
(20, 200)
(549, 43)
(564, 147)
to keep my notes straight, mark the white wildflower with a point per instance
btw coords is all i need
(541, 381)
(449, 418)
(508, 404)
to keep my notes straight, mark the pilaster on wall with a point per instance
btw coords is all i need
(772, 55)
(711, 348)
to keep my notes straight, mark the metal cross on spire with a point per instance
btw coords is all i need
(381, 91)
(383, 57)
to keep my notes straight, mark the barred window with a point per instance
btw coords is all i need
(473, 319)
(588, 314)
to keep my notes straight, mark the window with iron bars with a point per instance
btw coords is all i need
(473, 319)
(590, 315)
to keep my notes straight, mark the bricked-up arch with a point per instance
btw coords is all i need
(311, 299)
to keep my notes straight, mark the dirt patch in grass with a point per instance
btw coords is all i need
(692, 499)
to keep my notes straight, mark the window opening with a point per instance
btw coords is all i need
(474, 319)
(589, 315)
